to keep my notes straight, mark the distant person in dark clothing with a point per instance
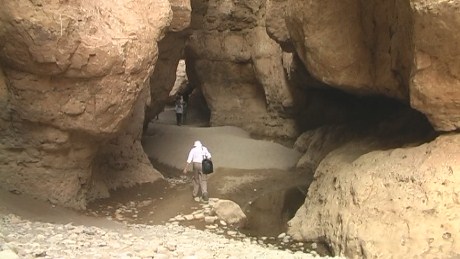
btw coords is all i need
(179, 110)
(184, 113)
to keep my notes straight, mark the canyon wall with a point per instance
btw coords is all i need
(240, 69)
(377, 195)
(434, 85)
(401, 49)
(171, 51)
(371, 200)
(75, 80)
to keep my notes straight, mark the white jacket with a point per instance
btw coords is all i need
(197, 154)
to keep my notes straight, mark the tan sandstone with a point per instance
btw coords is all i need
(240, 70)
(74, 71)
(402, 49)
(435, 84)
(400, 203)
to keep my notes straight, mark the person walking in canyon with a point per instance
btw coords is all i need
(179, 110)
(185, 107)
(199, 179)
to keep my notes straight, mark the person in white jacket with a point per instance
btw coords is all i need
(199, 180)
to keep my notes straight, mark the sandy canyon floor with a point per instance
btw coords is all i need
(256, 174)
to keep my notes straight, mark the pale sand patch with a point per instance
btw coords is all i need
(231, 147)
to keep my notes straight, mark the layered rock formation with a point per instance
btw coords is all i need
(400, 203)
(77, 76)
(363, 48)
(240, 69)
(76, 73)
(371, 199)
(347, 43)
(171, 51)
(402, 49)
(434, 86)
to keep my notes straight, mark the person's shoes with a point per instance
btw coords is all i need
(196, 198)
(205, 196)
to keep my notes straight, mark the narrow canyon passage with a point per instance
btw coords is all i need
(269, 197)
(330, 121)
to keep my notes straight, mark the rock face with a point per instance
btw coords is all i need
(369, 47)
(240, 69)
(346, 43)
(74, 74)
(435, 83)
(316, 144)
(364, 201)
(171, 51)
(400, 202)
(164, 77)
(78, 77)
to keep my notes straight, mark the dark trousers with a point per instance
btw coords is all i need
(179, 118)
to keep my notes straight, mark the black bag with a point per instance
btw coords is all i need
(207, 166)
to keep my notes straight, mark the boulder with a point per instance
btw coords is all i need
(230, 212)
(369, 202)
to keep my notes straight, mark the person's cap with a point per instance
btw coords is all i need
(197, 144)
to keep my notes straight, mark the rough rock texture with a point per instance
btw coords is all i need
(316, 144)
(366, 202)
(369, 47)
(171, 51)
(230, 212)
(239, 69)
(182, 12)
(122, 162)
(347, 43)
(276, 22)
(401, 202)
(77, 76)
(181, 79)
(163, 78)
(74, 72)
(435, 84)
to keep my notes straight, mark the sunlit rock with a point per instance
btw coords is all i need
(401, 202)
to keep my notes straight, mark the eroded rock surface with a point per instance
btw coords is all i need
(74, 73)
(239, 68)
(401, 202)
(362, 195)
(171, 51)
(344, 44)
(77, 76)
(402, 49)
(435, 84)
